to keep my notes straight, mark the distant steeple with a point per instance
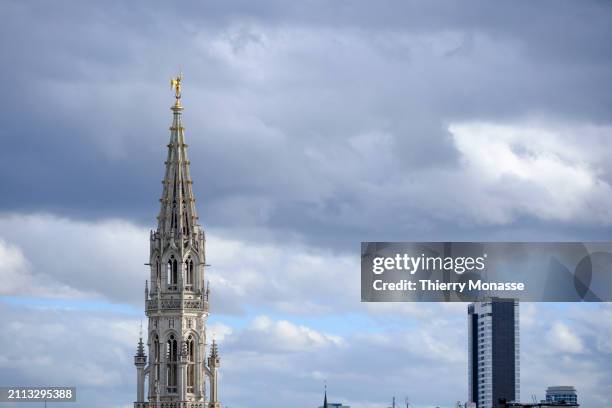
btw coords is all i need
(178, 213)
(325, 398)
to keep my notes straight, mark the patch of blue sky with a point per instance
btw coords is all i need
(72, 304)
(337, 324)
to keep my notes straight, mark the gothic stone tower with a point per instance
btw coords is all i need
(177, 302)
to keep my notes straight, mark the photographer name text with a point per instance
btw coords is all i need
(436, 285)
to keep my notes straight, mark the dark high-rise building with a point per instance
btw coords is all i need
(493, 356)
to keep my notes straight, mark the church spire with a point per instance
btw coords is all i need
(178, 215)
(325, 398)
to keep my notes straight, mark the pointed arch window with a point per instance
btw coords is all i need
(172, 273)
(157, 273)
(190, 275)
(185, 220)
(171, 364)
(156, 355)
(173, 216)
(190, 364)
(173, 219)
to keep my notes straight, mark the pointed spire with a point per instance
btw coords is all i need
(214, 350)
(325, 398)
(178, 213)
(140, 348)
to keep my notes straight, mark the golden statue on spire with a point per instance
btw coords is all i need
(175, 83)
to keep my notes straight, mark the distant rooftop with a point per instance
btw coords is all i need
(561, 388)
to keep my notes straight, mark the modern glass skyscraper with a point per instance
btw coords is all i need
(493, 355)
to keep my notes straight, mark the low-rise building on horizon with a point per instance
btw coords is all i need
(331, 404)
(542, 404)
(562, 393)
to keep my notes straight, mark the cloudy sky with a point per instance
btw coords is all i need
(312, 126)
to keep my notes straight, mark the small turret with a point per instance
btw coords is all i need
(214, 362)
(140, 361)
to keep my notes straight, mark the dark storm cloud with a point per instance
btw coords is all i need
(304, 118)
